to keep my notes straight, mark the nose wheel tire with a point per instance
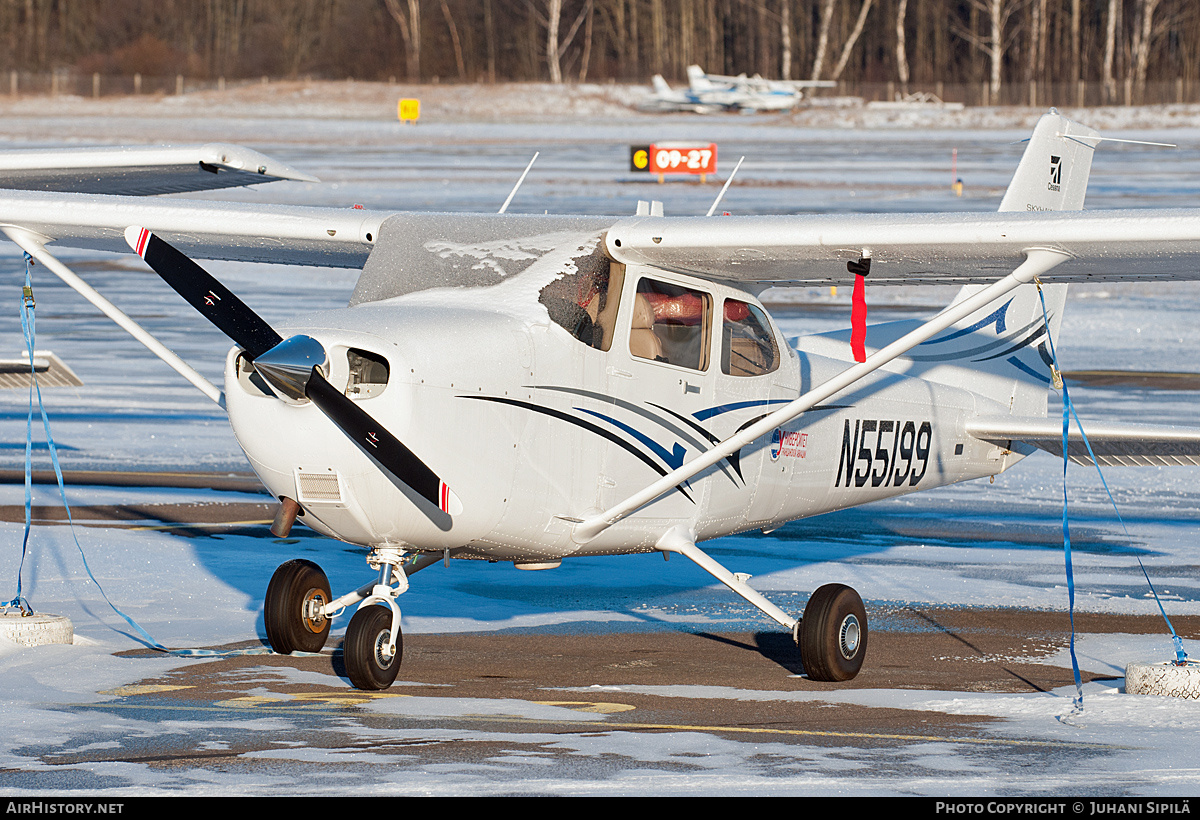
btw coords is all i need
(368, 664)
(833, 634)
(292, 609)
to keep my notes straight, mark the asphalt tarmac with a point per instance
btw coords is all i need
(602, 673)
(599, 681)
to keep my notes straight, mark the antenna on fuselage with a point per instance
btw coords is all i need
(724, 188)
(513, 193)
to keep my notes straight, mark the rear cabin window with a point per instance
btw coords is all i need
(671, 324)
(747, 345)
(585, 302)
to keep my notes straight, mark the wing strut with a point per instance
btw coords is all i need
(34, 245)
(1037, 262)
(684, 542)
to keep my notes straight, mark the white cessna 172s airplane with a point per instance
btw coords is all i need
(625, 390)
(714, 92)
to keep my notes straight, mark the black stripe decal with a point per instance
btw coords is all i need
(733, 459)
(586, 425)
(974, 351)
(1028, 340)
(664, 423)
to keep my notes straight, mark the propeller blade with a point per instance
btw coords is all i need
(380, 445)
(289, 369)
(203, 292)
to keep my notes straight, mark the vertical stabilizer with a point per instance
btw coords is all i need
(698, 80)
(1053, 174)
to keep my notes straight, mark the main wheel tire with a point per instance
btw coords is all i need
(296, 589)
(833, 634)
(364, 652)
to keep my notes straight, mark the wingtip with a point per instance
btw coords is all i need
(136, 237)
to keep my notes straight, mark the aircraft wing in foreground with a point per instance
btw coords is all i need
(142, 171)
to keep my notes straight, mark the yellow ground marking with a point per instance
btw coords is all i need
(354, 698)
(357, 698)
(142, 689)
(309, 700)
(314, 700)
(585, 706)
(118, 525)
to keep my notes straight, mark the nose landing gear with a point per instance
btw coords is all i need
(299, 609)
(372, 659)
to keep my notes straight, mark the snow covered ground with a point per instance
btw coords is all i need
(973, 545)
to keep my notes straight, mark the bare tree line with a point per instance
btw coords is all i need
(991, 43)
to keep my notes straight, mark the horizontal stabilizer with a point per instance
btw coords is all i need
(141, 171)
(1115, 445)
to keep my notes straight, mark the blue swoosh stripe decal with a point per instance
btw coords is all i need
(704, 415)
(586, 425)
(673, 459)
(1020, 365)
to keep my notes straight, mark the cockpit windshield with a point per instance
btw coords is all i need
(585, 302)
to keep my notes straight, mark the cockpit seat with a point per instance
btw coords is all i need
(643, 342)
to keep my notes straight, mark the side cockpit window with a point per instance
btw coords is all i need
(670, 324)
(747, 345)
(585, 302)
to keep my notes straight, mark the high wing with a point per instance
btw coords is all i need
(282, 234)
(51, 372)
(1114, 445)
(142, 171)
(86, 197)
(936, 248)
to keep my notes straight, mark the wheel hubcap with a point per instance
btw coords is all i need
(314, 602)
(849, 635)
(382, 656)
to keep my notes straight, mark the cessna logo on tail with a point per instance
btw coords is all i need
(1055, 173)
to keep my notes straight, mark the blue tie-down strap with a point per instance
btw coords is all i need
(1181, 658)
(29, 327)
(1078, 703)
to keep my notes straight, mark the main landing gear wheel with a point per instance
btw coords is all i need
(292, 609)
(368, 664)
(833, 634)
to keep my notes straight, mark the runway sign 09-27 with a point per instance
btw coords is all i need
(674, 158)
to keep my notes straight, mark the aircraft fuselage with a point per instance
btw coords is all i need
(534, 429)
